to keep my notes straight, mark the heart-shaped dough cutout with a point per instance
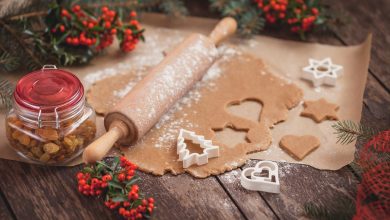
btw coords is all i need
(248, 109)
(299, 146)
(253, 178)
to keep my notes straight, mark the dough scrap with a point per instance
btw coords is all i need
(299, 146)
(320, 110)
(241, 77)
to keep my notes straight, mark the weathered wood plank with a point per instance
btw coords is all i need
(363, 17)
(184, 197)
(36, 192)
(5, 212)
(300, 184)
(250, 202)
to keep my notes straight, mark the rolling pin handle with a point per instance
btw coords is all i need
(226, 27)
(100, 147)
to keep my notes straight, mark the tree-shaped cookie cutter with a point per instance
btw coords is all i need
(263, 177)
(209, 150)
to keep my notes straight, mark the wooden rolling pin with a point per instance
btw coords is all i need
(165, 84)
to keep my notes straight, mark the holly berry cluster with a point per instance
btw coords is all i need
(116, 182)
(77, 27)
(300, 15)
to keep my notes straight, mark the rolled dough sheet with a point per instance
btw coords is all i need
(233, 79)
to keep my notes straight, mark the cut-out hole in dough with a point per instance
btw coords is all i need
(193, 147)
(248, 109)
(230, 136)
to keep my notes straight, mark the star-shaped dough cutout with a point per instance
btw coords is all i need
(320, 110)
(322, 72)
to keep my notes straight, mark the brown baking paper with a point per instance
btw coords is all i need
(283, 57)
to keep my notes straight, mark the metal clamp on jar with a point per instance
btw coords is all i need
(50, 121)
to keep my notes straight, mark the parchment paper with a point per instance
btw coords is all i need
(284, 57)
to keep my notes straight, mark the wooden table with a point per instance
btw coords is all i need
(36, 192)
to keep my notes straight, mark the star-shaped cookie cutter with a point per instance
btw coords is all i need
(263, 177)
(322, 72)
(209, 150)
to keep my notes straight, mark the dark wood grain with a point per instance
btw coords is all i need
(185, 197)
(5, 212)
(37, 192)
(364, 17)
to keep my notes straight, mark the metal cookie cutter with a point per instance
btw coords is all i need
(209, 150)
(322, 72)
(263, 177)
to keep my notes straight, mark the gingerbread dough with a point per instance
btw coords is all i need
(320, 110)
(299, 146)
(233, 78)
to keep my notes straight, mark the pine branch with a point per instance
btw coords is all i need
(21, 43)
(7, 61)
(6, 89)
(348, 131)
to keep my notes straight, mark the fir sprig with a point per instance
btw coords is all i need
(349, 131)
(6, 89)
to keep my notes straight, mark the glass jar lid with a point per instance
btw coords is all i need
(48, 90)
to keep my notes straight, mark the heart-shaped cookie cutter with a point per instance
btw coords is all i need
(209, 150)
(252, 179)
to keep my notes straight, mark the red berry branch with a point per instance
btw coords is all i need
(78, 27)
(300, 15)
(116, 182)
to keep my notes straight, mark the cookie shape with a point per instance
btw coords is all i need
(209, 150)
(320, 110)
(263, 177)
(299, 146)
(322, 72)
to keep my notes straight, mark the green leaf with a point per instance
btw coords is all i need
(115, 185)
(87, 170)
(132, 181)
(119, 198)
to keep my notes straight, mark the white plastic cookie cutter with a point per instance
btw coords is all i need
(209, 150)
(263, 177)
(322, 72)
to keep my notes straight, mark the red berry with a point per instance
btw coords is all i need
(144, 202)
(76, 8)
(107, 24)
(90, 25)
(134, 22)
(133, 14)
(113, 31)
(75, 41)
(111, 13)
(80, 175)
(64, 13)
(69, 40)
(107, 177)
(82, 182)
(151, 200)
(138, 216)
(62, 28)
(135, 188)
(126, 204)
(104, 9)
(121, 177)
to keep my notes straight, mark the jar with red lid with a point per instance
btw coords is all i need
(50, 121)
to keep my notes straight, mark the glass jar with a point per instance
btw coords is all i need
(50, 122)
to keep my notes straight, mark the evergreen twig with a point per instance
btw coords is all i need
(6, 89)
(349, 131)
